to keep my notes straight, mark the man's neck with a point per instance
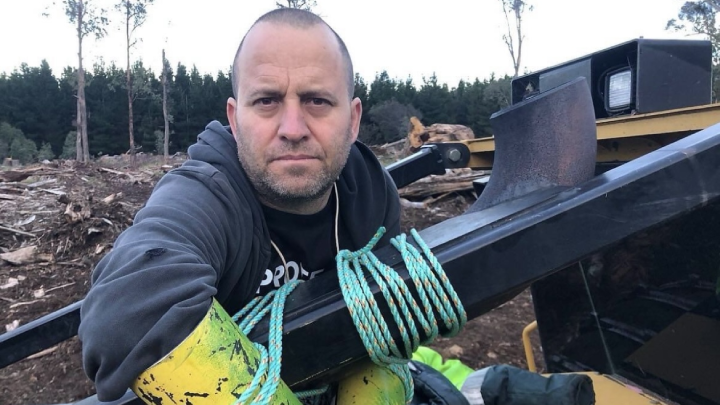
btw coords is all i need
(299, 207)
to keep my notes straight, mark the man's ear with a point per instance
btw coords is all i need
(355, 116)
(230, 110)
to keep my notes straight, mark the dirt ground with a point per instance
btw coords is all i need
(71, 214)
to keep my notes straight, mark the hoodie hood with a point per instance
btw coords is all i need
(367, 192)
(368, 197)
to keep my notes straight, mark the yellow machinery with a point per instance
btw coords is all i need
(624, 138)
(642, 316)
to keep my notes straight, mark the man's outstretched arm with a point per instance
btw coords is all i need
(159, 281)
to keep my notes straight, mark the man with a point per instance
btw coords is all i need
(270, 199)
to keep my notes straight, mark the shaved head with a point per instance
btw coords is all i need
(299, 19)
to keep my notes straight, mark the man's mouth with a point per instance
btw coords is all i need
(294, 157)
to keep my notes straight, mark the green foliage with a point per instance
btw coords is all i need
(8, 134)
(94, 20)
(383, 88)
(390, 122)
(35, 102)
(4, 150)
(134, 12)
(23, 149)
(45, 152)
(699, 17)
(361, 91)
(498, 92)
(369, 134)
(433, 100)
(69, 147)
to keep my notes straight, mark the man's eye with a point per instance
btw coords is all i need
(265, 101)
(318, 101)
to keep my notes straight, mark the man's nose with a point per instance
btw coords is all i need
(292, 123)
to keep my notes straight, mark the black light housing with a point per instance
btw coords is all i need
(665, 75)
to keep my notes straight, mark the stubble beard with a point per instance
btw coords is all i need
(277, 190)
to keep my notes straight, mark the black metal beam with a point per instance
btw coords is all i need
(423, 163)
(39, 334)
(491, 255)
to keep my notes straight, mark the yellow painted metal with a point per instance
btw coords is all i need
(662, 122)
(608, 390)
(529, 355)
(371, 385)
(625, 149)
(215, 364)
(483, 160)
(612, 391)
(647, 131)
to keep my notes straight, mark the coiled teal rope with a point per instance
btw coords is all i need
(433, 288)
(267, 377)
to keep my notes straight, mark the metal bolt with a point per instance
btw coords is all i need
(454, 155)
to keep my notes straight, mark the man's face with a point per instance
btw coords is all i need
(293, 120)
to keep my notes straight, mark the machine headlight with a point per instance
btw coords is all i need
(618, 90)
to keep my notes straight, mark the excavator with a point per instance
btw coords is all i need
(602, 199)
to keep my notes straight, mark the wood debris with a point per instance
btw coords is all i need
(42, 353)
(112, 197)
(25, 255)
(9, 327)
(452, 180)
(17, 231)
(77, 211)
(436, 133)
(21, 304)
(12, 282)
(9, 197)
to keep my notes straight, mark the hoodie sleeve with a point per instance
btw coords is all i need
(158, 282)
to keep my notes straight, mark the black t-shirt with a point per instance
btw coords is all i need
(307, 243)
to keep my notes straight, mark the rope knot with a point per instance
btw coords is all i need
(433, 288)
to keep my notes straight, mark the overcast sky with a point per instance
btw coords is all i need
(453, 38)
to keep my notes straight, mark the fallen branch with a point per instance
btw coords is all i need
(105, 169)
(14, 176)
(453, 180)
(41, 183)
(11, 190)
(19, 304)
(72, 263)
(8, 197)
(42, 353)
(55, 192)
(431, 200)
(38, 212)
(59, 287)
(2, 228)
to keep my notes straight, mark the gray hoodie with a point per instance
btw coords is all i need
(201, 235)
